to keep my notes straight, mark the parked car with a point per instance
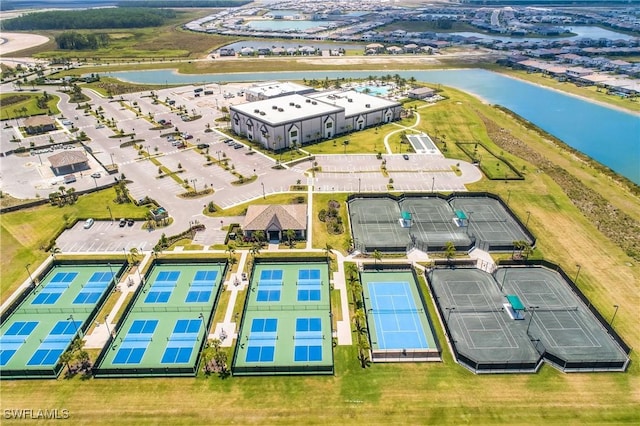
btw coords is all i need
(95, 175)
(405, 156)
(237, 146)
(130, 222)
(203, 145)
(122, 223)
(88, 223)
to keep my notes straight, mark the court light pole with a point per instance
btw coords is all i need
(533, 311)
(577, 274)
(110, 213)
(528, 216)
(106, 323)
(73, 321)
(113, 277)
(358, 185)
(433, 182)
(29, 272)
(614, 315)
(204, 326)
(262, 183)
(453, 308)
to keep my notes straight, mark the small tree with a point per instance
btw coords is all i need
(449, 250)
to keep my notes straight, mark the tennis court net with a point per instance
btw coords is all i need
(395, 311)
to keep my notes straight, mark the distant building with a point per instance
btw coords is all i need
(421, 93)
(274, 220)
(39, 124)
(67, 162)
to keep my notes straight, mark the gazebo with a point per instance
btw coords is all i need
(67, 162)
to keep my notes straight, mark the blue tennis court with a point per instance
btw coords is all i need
(308, 340)
(55, 343)
(201, 287)
(270, 285)
(52, 291)
(396, 317)
(14, 338)
(162, 287)
(182, 341)
(309, 285)
(135, 342)
(94, 288)
(262, 340)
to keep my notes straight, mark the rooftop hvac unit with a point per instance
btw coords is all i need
(349, 100)
(314, 103)
(262, 113)
(368, 105)
(280, 109)
(274, 107)
(297, 105)
(308, 100)
(256, 110)
(291, 103)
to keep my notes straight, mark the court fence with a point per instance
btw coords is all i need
(576, 290)
(258, 370)
(99, 371)
(405, 355)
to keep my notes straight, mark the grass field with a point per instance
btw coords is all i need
(441, 393)
(24, 104)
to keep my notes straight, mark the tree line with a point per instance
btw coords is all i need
(90, 19)
(72, 40)
(177, 3)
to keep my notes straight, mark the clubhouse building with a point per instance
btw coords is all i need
(301, 118)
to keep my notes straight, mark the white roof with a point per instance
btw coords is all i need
(353, 102)
(271, 89)
(287, 108)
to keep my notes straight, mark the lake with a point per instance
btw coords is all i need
(581, 31)
(605, 134)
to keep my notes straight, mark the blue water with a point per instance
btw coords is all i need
(581, 31)
(607, 135)
(374, 90)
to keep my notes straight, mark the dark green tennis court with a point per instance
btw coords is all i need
(57, 310)
(513, 320)
(286, 325)
(167, 323)
(397, 224)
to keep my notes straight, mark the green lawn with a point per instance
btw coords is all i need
(24, 104)
(26, 232)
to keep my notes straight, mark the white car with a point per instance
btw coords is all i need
(88, 223)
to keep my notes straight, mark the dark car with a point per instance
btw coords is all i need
(130, 222)
(405, 156)
(122, 223)
(203, 145)
(237, 146)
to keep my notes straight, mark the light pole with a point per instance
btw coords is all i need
(504, 278)
(218, 152)
(113, 277)
(449, 312)
(508, 196)
(95, 181)
(263, 196)
(110, 213)
(29, 272)
(193, 181)
(358, 185)
(106, 323)
(433, 182)
(533, 311)
(73, 321)
(204, 326)
(614, 315)
(528, 216)
(112, 163)
(577, 274)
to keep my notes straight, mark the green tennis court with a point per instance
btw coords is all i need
(167, 324)
(286, 325)
(57, 310)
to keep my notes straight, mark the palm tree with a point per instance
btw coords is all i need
(290, 235)
(66, 358)
(133, 255)
(327, 251)
(449, 250)
(359, 320)
(260, 237)
(231, 250)
(376, 256)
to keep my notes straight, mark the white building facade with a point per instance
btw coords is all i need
(297, 120)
